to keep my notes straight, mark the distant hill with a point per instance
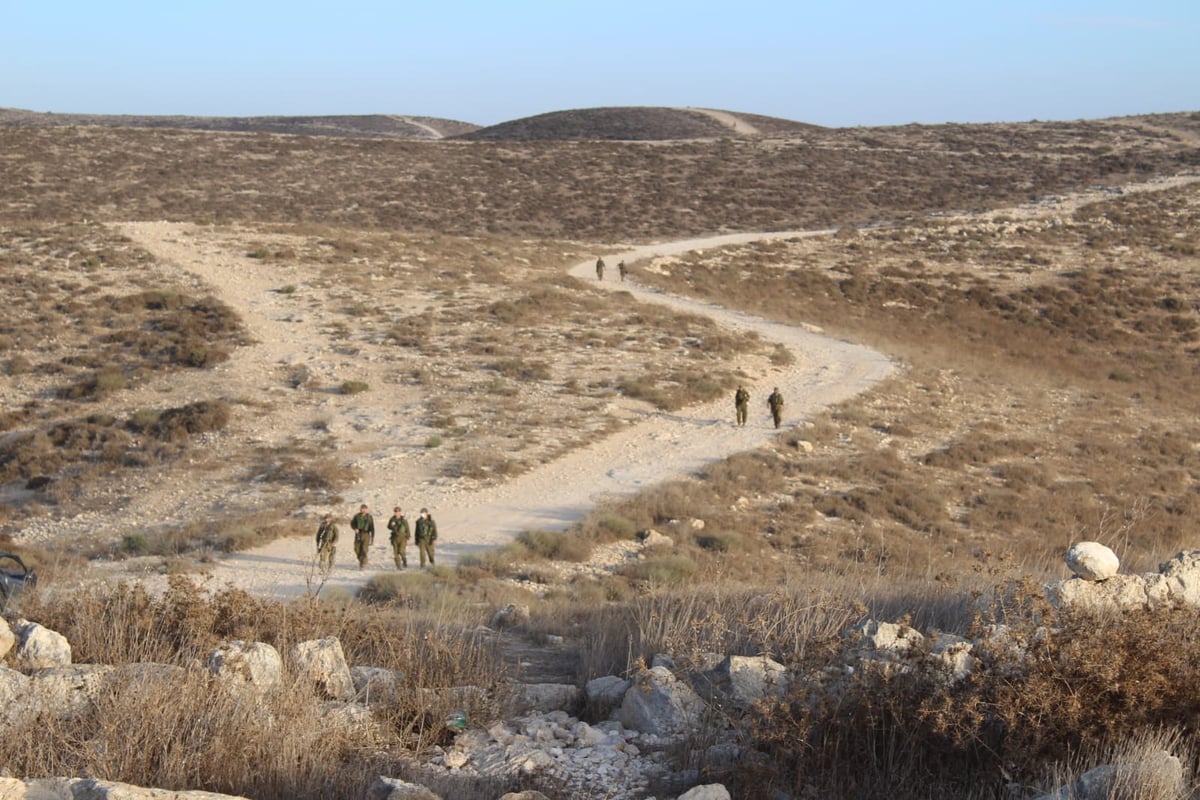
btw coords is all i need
(634, 123)
(365, 126)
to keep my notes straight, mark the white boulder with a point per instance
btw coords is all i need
(1092, 561)
(323, 663)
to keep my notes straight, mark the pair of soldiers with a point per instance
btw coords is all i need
(363, 525)
(426, 535)
(622, 270)
(741, 404)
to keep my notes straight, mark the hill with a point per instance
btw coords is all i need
(370, 126)
(618, 123)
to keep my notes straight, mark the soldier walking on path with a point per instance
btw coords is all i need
(622, 270)
(599, 269)
(775, 403)
(398, 526)
(326, 544)
(741, 404)
(363, 525)
(426, 534)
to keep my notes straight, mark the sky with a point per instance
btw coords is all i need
(838, 64)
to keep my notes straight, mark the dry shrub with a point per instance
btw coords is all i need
(188, 732)
(1088, 682)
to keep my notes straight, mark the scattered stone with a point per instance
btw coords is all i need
(529, 698)
(7, 637)
(376, 685)
(887, 638)
(738, 682)
(605, 693)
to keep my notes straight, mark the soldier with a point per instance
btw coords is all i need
(363, 525)
(775, 403)
(426, 535)
(622, 270)
(599, 269)
(741, 404)
(327, 536)
(398, 525)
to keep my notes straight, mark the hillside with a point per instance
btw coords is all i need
(367, 126)
(632, 124)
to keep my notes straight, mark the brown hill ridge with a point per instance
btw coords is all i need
(362, 126)
(635, 123)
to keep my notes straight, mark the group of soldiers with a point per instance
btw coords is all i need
(424, 531)
(741, 405)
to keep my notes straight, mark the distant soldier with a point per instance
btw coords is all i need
(425, 534)
(741, 404)
(622, 270)
(363, 525)
(599, 269)
(398, 526)
(775, 403)
(327, 536)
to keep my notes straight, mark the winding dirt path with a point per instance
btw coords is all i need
(658, 447)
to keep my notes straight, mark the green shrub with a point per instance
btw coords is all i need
(556, 546)
(666, 570)
(354, 387)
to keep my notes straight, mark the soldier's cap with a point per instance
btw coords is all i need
(397, 508)
(363, 507)
(329, 515)
(424, 510)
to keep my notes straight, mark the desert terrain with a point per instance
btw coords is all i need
(986, 336)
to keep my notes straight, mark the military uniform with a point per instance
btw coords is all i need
(425, 533)
(363, 525)
(622, 270)
(775, 403)
(599, 269)
(398, 526)
(741, 404)
(327, 536)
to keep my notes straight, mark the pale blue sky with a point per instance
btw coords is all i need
(829, 63)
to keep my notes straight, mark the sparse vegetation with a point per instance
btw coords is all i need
(1046, 395)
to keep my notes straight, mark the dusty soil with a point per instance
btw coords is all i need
(383, 428)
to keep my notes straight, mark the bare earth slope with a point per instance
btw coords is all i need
(658, 447)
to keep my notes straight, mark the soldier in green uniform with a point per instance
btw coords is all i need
(599, 269)
(327, 536)
(741, 404)
(426, 534)
(398, 526)
(363, 525)
(622, 270)
(775, 403)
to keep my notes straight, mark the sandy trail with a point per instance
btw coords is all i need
(658, 447)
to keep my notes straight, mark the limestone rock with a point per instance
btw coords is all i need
(7, 637)
(713, 791)
(651, 538)
(529, 794)
(738, 682)
(658, 703)
(1119, 591)
(376, 685)
(67, 691)
(953, 655)
(255, 664)
(323, 662)
(605, 693)
(92, 789)
(1092, 561)
(16, 703)
(887, 637)
(396, 789)
(540, 698)
(1156, 774)
(509, 616)
(39, 647)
